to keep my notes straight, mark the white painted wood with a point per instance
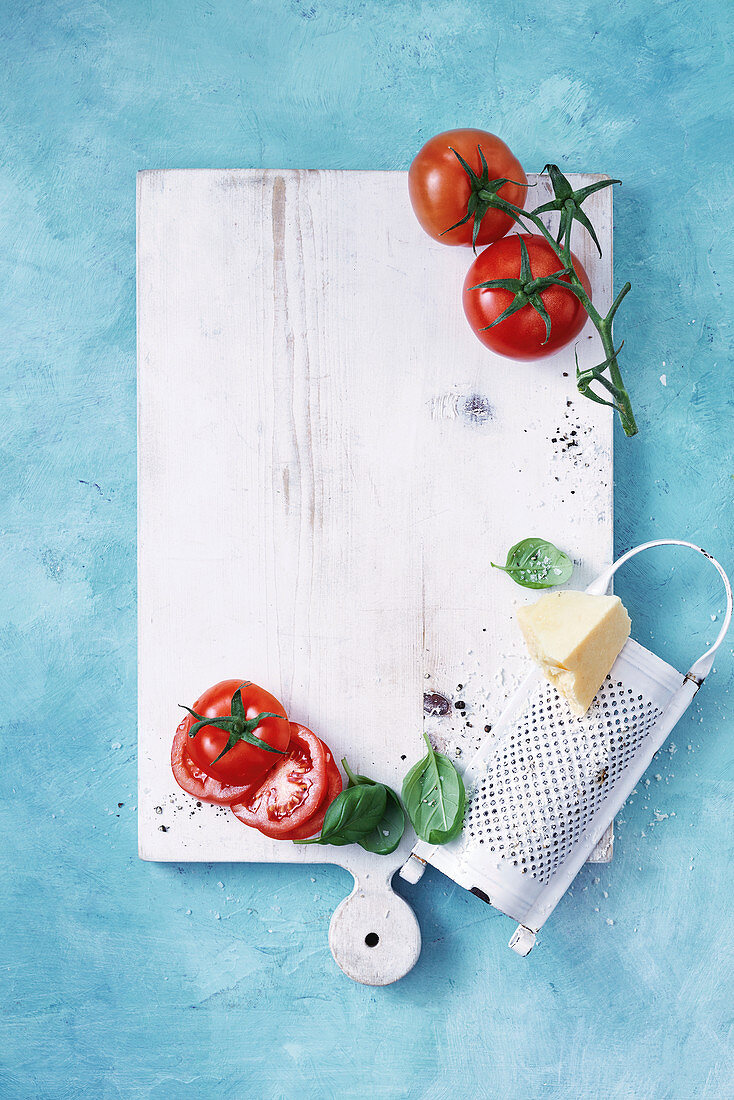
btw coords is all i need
(320, 490)
(374, 935)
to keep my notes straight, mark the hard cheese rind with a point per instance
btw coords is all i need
(575, 638)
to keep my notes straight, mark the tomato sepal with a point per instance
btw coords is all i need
(568, 202)
(237, 725)
(483, 196)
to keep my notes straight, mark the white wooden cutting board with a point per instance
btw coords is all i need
(328, 461)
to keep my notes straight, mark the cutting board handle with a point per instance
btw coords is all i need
(374, 935)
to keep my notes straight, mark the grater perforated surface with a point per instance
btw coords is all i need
(550, 773)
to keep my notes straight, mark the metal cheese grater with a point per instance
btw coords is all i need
(544, 787)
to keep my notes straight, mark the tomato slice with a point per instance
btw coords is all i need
(196, 782)
(292, 791)
(333, 788)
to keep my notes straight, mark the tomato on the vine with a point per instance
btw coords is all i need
(292, 791)
(442, 192)
(233, 735)
(524, 333)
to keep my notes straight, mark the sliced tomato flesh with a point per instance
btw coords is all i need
(333, 788)
(293, 789)
(196, 782)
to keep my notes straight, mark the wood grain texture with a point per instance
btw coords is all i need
(328, 461)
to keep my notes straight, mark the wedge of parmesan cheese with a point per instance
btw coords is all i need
(575, 638)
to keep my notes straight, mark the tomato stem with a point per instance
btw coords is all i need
(236, 724)
(568, 203)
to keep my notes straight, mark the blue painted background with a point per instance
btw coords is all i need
(124, 979)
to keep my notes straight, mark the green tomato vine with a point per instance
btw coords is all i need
(568, 204)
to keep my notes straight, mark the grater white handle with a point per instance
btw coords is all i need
(700, 668)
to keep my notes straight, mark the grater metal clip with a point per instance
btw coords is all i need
(545, 786)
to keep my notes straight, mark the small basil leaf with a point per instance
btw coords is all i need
(434, 797)
(352, 815)
(537, 563)
(388, 833)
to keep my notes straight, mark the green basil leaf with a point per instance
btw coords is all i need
(537, 563)
(352, 815)
(388, 832)
(434, 797)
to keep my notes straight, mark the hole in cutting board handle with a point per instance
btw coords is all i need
(372, 939)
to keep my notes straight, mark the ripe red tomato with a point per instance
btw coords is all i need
(292, 791)
(244, 764)
(333, 788)
(440, 188)
(523, 334)
(196, 782)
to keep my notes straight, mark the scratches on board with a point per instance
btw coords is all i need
(296, 509)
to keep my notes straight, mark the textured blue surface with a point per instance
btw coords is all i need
(123, 979)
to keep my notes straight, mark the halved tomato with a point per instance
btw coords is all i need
(334, 787)
(192, 779)
(292, 791)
